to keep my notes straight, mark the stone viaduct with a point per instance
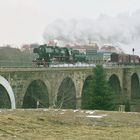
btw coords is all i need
(63, 87)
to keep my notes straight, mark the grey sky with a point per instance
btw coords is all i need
(24, 21)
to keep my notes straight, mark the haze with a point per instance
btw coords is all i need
(33, 21)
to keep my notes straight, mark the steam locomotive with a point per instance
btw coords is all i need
(52, 54)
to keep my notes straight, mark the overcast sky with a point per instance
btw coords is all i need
(24, 21)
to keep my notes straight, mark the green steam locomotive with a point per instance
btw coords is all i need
(53, 54)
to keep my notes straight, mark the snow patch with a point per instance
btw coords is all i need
(61, 113)
(45, 109)
(96, 116)
(90, 112)
(75, 111)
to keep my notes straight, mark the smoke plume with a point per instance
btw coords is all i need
(122, 30)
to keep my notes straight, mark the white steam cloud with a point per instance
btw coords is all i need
(122, 30)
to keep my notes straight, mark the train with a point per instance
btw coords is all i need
(48, 55)
(125, 59)
(53, 54)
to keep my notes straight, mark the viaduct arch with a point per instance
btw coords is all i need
(19, 82)
(4, 85)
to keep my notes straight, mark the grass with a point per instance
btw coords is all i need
(44, 124)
